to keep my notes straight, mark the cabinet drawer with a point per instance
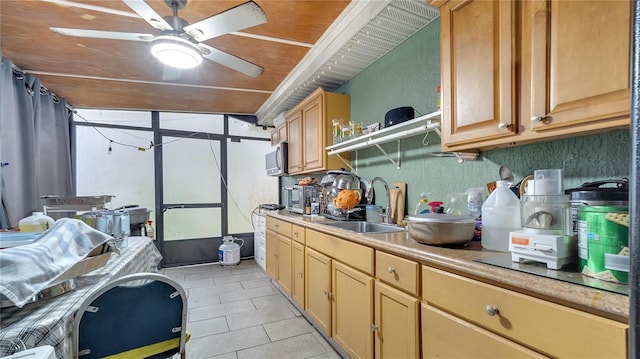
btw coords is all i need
(399, 272)
(356, 255)
(279, 226)
(442, 333)
(297, 233)
(552, 329)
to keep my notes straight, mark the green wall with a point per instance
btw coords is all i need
(408, 76)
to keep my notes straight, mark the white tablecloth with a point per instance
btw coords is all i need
(49, 322)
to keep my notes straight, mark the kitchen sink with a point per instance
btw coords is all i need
(366, 227)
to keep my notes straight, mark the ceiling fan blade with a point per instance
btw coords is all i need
(146, 12)
(231, 61)
(93, 7)
(99, 34)
(237, 18)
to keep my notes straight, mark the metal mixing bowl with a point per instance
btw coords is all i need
(441, 229)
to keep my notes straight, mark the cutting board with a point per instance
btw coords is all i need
(398, 196)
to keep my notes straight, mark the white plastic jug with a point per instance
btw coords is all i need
(229, 251)
(500, 215)
(37, 222)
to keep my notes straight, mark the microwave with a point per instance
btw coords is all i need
(276, 160)
(297, 197)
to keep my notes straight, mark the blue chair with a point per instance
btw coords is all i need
(140, 315)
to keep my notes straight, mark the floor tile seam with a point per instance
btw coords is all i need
(251, 298)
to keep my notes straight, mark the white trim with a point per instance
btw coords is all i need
(93, 7)
(144, 82)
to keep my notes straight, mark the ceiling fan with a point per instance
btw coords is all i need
(179, 44)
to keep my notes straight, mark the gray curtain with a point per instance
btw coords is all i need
(35, 147)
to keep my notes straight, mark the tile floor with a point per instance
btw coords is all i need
(236, 313)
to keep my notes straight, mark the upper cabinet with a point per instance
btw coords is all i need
(516, 72)
(310, 132)
(580, 53)
(279, 134)
(478, 72)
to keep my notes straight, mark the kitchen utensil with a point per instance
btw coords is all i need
(440, 228)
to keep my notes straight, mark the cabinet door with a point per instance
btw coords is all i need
(318, 288)
(284, 263)
(397, 323)
(580, 62)
(283, 135)
(271, 254)
(445, 336)
(478, 72)
(275, 137)
(352, 310)
(313, 122)
(297, 282)
(294, 122)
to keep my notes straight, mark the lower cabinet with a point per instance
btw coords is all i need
(548, 328)
(397, 323)
(278, 259)
(445, 336)
(339, 297)
(352, 310)
(297, 272)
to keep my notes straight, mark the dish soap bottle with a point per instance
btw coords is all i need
(423, 204)
(500, 215)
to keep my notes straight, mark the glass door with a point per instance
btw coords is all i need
(192, 220)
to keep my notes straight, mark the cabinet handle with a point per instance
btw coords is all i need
(300, 274)
(492, 310)
(374, 328)
(295, 234)
(326, 292)
(391, 269)
(536, 118)
(503, 125)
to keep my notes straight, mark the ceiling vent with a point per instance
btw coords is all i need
(363, 33)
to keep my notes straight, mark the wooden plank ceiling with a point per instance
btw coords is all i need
(118, 74)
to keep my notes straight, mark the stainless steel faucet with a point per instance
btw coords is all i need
(387, 211)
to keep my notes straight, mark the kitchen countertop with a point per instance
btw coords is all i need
(460, 260)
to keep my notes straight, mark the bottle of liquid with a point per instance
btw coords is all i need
(149, 229)
(37, 222)
(315, 207)
(474, 204)
(423, 204)
(500, 215)
(307, 207)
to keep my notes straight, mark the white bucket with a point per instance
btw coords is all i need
(229, 251)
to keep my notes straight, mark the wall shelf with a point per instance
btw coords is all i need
(420, 125)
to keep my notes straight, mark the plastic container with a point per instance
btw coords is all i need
(603, 242)
(500, 215)
(37, 222)
(423, 204)
(229, 251)
(373, 213)
(149, 229)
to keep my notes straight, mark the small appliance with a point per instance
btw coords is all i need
(276, 160)
(333, 184)
(547, 235)
(297, 196)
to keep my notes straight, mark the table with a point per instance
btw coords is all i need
(49, 322)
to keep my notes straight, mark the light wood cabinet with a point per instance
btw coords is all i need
(279, 252)
(397, 322)
(339, 297)
(518, 72)
(580, 69)
(546, 327)
(279, 134)
(478, 71)
(352, 310)
(284, 263)
(297, 270)
(318, 288)
(309, 125)
(446, 336)
(297, 234)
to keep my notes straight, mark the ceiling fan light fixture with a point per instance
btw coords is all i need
(176, 52)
